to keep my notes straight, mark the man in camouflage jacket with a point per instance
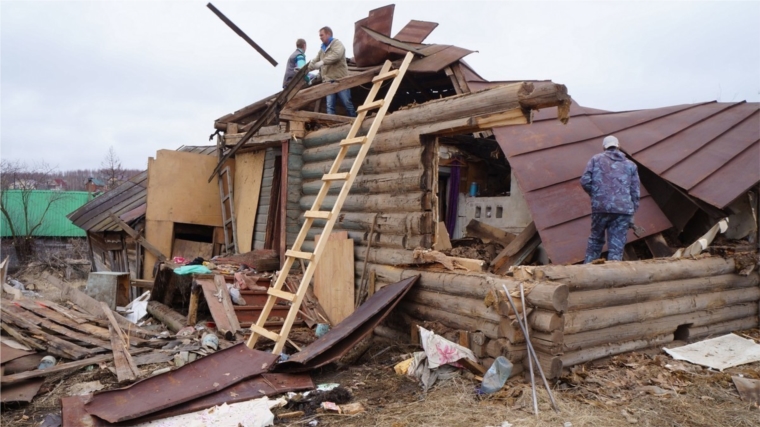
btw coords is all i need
(612, 181)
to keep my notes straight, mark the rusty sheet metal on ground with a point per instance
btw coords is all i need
(8, 353)
(21, 392)
(23, 364)
(350, 331)
(200, 378)
(269, 384)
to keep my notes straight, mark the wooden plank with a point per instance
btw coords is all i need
(23, 320)
(229, 309)
(488, 233)
(90, 305)
(314, 116)
(126, 369)
(63, 367)
(249, 173)
(442, 240)
(21, 338)
(334, 277)
(189, 249)
(314, 93)
(161, 235)
(137, 237)
(178, 190)
(658, 246)
(512, 254)
(50, 320)
(215, 306)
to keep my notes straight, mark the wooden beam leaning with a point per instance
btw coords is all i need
(240, 32)
(287, 93)
(314, 93)
(126, 369)
(138, 238)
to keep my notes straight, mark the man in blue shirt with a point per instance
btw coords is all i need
(612, 181)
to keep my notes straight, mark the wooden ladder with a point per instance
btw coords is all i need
(333, 175)
(228, 211)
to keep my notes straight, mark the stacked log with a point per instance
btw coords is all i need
(625, 306)
(474, 304)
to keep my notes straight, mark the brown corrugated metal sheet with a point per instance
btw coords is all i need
(125, 200)
(415, 31)
(368, 51)
(438, 60)
(711, 150)
(203, 377)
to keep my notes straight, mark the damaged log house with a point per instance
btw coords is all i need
(489, 165)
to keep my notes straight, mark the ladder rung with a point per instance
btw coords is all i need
(266, 333)
(335, 176)
(353, 141)
(385, 76)
(317, 214)
(308, 256)
(371, 106)
(281, 294)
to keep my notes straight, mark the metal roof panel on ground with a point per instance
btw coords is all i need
(711, 150)
(55, 205)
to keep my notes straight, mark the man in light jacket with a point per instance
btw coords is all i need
(612, 181)
(331, 61)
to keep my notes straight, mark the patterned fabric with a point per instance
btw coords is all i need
(612, 181)
(296, 59)
(616, 226)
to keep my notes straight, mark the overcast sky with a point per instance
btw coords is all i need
(79, 77)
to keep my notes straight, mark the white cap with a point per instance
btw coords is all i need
(610, 141)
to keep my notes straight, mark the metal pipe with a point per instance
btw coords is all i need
(531, 350)
(530, 361)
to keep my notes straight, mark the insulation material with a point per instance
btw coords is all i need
(703, 242)
(718, 353)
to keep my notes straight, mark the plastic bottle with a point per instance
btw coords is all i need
(497, 375)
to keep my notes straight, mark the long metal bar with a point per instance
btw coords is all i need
(531, 350)
(530, 360)
(243, 35)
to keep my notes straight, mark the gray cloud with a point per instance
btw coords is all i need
(78, 77)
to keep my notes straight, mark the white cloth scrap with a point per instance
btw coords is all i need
(718, 353)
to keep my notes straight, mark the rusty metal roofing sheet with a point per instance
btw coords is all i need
(367, 50)
(8, 353)
(345, 335)
(711, 150)
(192, 381)
(21, 392)
(416, 31)
(270, 384)
(439, 60)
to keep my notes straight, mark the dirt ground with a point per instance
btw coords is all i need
(634, 389)
(641, 388)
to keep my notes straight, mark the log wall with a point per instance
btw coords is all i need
(625, 306)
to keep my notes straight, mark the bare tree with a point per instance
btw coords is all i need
(23, 217)
(111, 170)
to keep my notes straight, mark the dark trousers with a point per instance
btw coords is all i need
(616, 226)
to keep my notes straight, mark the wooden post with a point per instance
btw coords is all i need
(192, 311)
(284, 204)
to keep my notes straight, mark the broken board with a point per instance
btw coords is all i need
(220, 304)
(189, 249)
(249, 171)
(334, 277)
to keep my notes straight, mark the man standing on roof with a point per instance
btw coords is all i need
(296, 60)
(612, 181)
(331, 61)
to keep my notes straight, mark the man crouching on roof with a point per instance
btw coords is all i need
(331, 62)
